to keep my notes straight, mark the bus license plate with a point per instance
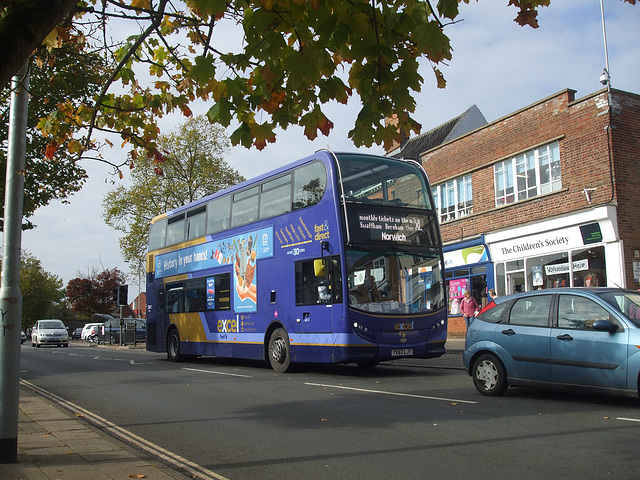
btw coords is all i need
(398, 352)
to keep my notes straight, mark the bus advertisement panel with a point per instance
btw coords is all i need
(335, 258)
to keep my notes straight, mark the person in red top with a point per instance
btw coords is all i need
(468, 307)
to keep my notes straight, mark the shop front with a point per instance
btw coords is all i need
(578, 250)
(467, 267)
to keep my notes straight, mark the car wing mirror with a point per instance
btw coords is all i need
(605, 326)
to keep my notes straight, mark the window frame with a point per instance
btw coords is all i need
(458, 193)
(527, 175)
(533, 299)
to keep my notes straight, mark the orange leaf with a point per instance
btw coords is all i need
(51, 150)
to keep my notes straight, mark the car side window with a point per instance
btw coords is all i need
(532, 311)
(494, 314)
(579, 312)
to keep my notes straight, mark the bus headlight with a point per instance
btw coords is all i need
(360, 327)
(438, 325)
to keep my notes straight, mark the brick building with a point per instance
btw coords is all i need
(546, 196)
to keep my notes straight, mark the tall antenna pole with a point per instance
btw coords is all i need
(606, 74)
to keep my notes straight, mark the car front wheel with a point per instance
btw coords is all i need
(489, 376)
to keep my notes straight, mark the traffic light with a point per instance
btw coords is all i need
(122, 294)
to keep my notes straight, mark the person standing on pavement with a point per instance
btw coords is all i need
(468, 307)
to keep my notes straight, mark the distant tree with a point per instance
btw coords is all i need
(66, 75)
(64, 312)
(193, 167)
(93, 293)
(41, 291)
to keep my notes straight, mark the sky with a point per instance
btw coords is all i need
(497, 65)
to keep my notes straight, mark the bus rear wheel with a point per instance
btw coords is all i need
(279, 350)
(173, 346)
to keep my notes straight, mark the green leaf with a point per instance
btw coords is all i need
(203, 70)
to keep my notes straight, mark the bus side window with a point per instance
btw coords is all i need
(158, 234)
(175, 230)
(218, 214)
(244, 208)
(174, 298)
(196, 222)
(310, 182)
(195, 300)
(161, 301)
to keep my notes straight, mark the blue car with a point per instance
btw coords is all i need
(582, 339)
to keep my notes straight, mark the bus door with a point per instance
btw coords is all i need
(318, 287)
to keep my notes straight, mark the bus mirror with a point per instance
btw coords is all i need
(320, 268)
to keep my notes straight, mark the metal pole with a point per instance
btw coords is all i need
(10, 295)
(604, 36)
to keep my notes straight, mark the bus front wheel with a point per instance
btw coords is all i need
(173, 346)
(279, 350)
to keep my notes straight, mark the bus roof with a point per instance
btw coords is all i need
(318, 154)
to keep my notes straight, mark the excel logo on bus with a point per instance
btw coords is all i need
(228, 326)
(404, 326)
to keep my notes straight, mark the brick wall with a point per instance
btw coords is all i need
(625, 136)
(581, 129)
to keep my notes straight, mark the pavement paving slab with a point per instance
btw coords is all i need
(54, 444)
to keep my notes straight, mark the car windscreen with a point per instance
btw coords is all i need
(626, 302)
(51, 325)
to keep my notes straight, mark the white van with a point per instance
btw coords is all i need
(49, 332)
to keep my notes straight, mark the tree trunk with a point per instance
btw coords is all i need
(25, 25)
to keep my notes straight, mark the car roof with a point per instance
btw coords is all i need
(566, 290)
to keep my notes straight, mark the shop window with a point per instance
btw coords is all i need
(501, 279)
(458, 286)
(548, 271)
(589, 267)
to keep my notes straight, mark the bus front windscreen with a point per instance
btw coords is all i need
(394, 282)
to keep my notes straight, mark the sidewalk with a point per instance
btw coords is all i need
(54, 444)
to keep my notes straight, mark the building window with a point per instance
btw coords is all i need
(528, 175)
(454, 198)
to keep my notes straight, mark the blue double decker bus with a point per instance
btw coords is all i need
(335, 258)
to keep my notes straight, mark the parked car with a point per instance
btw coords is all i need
(23, 337)
(77, 334)
(582, 339)
(90, 329)
(49, 332)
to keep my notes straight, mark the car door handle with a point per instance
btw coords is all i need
(565, 338)
(508, 332)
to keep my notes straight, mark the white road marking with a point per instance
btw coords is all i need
(397, 394)
(625, 419)
(213, 372)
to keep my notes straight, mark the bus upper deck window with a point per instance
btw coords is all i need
(218, 214)
(158, 234)
(310, 182)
